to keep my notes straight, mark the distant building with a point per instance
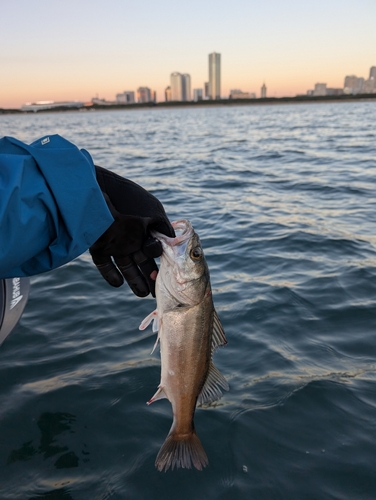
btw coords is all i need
(372, 72)
(332, 91)
(206, 90)
(186, 87)
(214, 76)
(359, 89)
(320, 89)
(43, 105)
(234, 91)
(238, 94)
(369, 86)
(353, 85)
(102, 102)
(197, 95)
(127, 97)
(144, 94)
(167, 94)
(180, 87)
(176, 86)
(263, 91)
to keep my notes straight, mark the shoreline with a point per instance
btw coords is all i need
(223, 102)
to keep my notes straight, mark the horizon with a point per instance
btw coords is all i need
(74, 52)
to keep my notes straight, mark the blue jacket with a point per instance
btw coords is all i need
(51, 207)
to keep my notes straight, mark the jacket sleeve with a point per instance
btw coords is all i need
(51, 207)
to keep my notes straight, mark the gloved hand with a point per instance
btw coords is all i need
(128, 242)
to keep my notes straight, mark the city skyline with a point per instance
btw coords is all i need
(180, 90)
(73, 51)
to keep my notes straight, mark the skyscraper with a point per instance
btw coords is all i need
(168, 94)
(214, 76)
(127, 97)
(197, 95)
(180, 87)
(144, 94)
(263, 91)
(186, 87)
(206, 90)
(352, 84)
(176, 87)
(372, 72)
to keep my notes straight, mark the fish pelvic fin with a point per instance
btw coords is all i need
(160, 394)
(218, 334)
(214, 384)
(181, 451)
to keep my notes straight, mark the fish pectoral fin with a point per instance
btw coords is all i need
(218, 335)
(214, 384)
(160, 394)
(153, 316)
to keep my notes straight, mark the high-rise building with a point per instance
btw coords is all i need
(176, 87)
(186, 87)
(263, 91)
(206, 90)
(144, 94)
(214, 76)
(351, 82)
(369, 86)
(320, 89)
(126, 97)
(167, 94)
(372, 72)
(197, 95)
(353, 85)
(180, 87)
(359, 88)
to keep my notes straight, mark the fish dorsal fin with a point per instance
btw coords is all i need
(218, 335)
(214, 383)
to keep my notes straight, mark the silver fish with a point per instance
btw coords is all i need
(188, 330)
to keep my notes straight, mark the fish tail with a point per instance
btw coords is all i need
(181, 451)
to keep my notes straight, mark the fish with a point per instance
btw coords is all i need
(189, 330)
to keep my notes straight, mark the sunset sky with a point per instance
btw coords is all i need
(79, 49)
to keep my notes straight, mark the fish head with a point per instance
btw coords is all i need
(183, 269)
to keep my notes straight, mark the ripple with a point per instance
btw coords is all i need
(283, 200)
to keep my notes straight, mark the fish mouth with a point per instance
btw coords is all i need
(184, 229)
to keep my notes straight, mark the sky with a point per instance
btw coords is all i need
(78, 49)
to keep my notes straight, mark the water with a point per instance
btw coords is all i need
(283, 198)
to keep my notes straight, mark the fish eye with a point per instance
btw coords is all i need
(196, 253)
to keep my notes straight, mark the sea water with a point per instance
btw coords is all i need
(283, 199)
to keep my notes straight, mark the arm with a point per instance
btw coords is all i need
(54, 205)
(51, 208)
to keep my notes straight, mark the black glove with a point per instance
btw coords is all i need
(128, 241)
